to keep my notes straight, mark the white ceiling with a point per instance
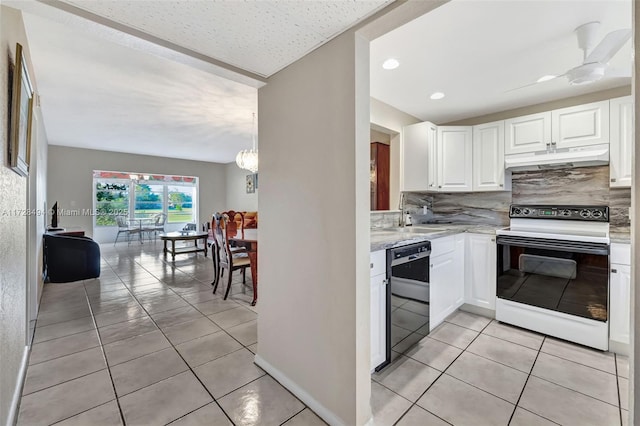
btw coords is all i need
(105, 89)
(475, 51)
(100, 95)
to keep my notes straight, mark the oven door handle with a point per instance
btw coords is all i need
(542, 243)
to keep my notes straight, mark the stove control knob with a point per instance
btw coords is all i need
(526, 212)
(585, 213)
(565, 212)
(517, 211)
(596, 214)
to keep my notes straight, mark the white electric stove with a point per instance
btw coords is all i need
(553, 272)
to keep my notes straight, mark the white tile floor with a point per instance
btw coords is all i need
(474, 371)
(149, 344)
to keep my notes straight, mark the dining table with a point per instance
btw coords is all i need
(248, 238)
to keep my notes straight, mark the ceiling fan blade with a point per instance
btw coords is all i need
(534, 83)
(609, 46)
(617, 73)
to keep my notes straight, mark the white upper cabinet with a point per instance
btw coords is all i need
(529, 133)
(580, 125)
(621, 132)
(488, 157)
(455, 160)
(419, 157)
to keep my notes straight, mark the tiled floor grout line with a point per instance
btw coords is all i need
(440, 375)
(305, 407)
(615, 360)
(526, 381)
(62, 356)
(185, 361)
(104, 356)
(65, 381)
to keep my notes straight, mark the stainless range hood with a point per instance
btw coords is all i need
(594, 155)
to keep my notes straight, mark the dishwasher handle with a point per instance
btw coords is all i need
(410, 258)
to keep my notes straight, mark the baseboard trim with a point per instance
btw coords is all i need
(322, 411)
(619, 348)
(15, 402)
(478, 310)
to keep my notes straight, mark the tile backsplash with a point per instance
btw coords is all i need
(580, 186)
(385, 219)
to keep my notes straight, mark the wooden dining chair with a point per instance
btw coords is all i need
(227, 258)
(235, 217)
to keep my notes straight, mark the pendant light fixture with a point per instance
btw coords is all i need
(248, 158)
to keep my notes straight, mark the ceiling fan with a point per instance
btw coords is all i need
(595, 64)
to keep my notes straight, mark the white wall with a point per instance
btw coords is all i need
(37, 223)
(634, 361)
(236, 191)
(385, 116)
(15, 229)
(70, 176)
(313, 326)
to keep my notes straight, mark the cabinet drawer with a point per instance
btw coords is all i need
(378, 262)
(620, 254)
(443, 245)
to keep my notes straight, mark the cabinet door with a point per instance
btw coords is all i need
(529, 133)
(440, 273)
(620, 303)
(378, 320)
(580, 125)
(480, 271)
(488, 157)
(418, 157)
(455, 160)
(458, 276)
(621, 132)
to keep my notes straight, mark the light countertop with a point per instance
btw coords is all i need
(382, 239)
(620, 237)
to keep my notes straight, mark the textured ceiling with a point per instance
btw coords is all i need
(476, 51)
(107, 79)
(258, 36)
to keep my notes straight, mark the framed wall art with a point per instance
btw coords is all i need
(251, 184)
(20, 116)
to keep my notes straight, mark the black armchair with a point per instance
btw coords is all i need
(70, 258)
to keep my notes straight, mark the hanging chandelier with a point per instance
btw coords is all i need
(248, 158)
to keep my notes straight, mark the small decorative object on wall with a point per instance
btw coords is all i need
(20, 116)
(251, 187)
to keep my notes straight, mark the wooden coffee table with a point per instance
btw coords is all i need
(184, 236)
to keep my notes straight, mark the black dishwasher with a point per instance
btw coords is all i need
(407, 293)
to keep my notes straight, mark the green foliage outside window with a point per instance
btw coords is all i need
(112, 199)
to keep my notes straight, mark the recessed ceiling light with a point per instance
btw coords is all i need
(437, 95)
(390, 64)
(546, 78)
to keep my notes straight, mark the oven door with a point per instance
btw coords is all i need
(565, 276)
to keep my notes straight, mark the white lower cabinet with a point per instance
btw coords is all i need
(480, 271)
(446, 278)
(620, 294)
(378, 302)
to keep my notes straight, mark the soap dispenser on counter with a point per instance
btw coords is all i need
(407, 219)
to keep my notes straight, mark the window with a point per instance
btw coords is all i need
(112, 199)
(148, 200)
(180, 206)
(140, 196)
